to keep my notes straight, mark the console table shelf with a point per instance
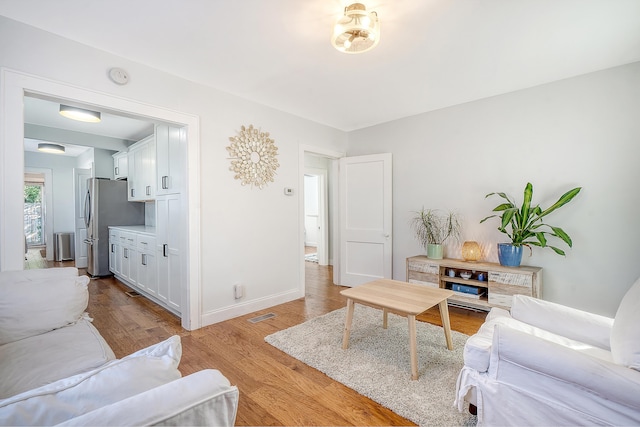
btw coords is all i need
(490, 284)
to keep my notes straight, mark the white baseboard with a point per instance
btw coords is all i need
(240, 309)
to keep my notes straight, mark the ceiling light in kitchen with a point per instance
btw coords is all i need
(79, 114)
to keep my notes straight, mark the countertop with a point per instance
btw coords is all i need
(144, 229)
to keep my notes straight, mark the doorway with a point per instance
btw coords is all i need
(41, 176)
(319, 198)
(316, 223)
(34, 212)
(360, 195)
(16, 86)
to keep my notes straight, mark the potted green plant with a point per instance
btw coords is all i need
(524, 225)
(432, 228)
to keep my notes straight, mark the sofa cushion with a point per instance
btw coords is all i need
(477, 350)
(569, 322)
(204, 398)
(35, 361)
(79, 394)
(32, 307)
(625, 334)
(17, 276)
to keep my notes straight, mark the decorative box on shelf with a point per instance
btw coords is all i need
(476, 285)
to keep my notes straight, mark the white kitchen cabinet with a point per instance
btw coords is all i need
(121, 165)
(115, 260)
(146, 264)
(128, 255)
(169, 250)
(170, 159)
(149, 259)
(141, 179)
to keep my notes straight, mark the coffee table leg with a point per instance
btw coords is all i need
(347, 324)
(444, 316)
(413, 347)
(384, 318)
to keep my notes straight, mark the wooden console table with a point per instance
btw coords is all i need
(496, 288)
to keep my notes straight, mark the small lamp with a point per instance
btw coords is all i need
(471, 251)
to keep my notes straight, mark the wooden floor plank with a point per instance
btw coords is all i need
(275, 389)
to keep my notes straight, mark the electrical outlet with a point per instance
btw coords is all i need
(238, 291)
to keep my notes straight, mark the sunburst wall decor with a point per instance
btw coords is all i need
(253, 157)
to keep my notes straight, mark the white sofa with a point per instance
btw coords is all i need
(547, 364)
(56, 368)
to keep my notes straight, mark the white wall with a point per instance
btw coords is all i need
(582, 131)
(62, 187)
(103, 163)
(85, 160)
(248, 236)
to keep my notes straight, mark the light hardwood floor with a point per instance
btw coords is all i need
(275, 389)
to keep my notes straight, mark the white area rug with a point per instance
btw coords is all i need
(377, 363)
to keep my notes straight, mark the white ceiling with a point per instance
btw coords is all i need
(432, 54)
(69, 149)
(45, 112)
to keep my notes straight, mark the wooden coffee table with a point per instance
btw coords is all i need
(405, 299)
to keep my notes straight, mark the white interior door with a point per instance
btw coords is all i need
(365, 219)
(80, 177)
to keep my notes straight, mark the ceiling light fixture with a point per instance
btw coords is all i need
(79, 114)
(357, 31)
(48, 147)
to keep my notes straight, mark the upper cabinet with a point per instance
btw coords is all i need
(120, 165)
(142, 170)
(155, 166)
(170, 159)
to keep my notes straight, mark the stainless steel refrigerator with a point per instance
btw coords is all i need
(106, 204)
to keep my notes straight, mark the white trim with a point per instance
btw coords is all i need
(335, 236)
(226, 313)
(14, 85)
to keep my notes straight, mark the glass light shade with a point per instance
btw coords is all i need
(80, 114)
(357, 31)
(47, 147)
(471, 251)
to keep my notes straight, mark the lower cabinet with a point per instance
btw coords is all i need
(128, 269)
(147, 276)
(115, 258)
(134, 260)
(168, 243)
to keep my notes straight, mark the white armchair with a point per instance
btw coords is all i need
(547, 364)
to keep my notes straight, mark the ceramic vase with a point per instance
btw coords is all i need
(435, 251)
(509, 255)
